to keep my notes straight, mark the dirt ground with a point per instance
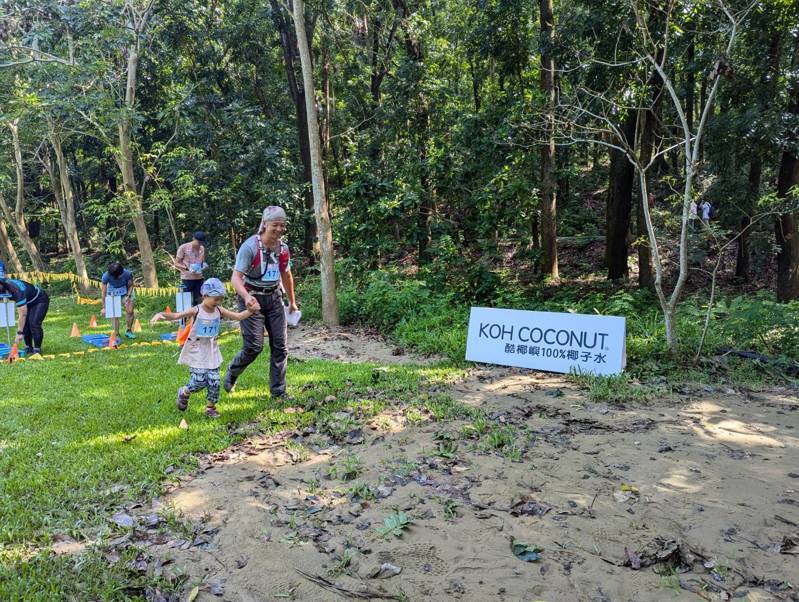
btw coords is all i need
(689, 498)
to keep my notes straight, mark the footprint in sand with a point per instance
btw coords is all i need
(422, 558)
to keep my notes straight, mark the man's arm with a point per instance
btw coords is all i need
(237, 280)
(287, 278)
(179, 263)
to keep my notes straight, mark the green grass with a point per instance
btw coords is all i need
(82, 436)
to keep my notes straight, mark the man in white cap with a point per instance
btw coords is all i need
(263, 263)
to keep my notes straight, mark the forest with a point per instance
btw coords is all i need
(483, 149)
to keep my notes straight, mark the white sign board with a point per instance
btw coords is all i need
(113, 306)
(555, 342)
(7, 314)
(182, 301)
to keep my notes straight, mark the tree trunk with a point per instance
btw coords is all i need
(7, 250)
(752, 194)
(125, 161)
(620, 199)
(786, 226)
(288, 43)
(66, 205)
(549, 225)
(648, 135)
(415, 52)
(327, 257)
(17, 217)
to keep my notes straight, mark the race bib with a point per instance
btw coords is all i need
(206, 328)
(272, 273)
(117, 291)
(196, 267)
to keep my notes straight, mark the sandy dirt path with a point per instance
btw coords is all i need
(688, 498)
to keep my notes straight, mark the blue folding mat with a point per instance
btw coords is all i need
(98, 340)
(5, 350)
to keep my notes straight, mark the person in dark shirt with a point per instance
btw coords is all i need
(118, 282)
(32, 305)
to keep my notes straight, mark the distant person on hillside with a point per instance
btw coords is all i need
(263, 264)
(32, 305)
(118, 282)
(693, 214)
(706, 211)
(190, 260)
(201, 351)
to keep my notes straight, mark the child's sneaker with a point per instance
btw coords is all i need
(183, 399)
(129, 335)
(210, 412)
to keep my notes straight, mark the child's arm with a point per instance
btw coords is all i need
(236, 315)
(172, 316)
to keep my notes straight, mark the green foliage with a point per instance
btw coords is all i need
(617, 389)
(394, 524)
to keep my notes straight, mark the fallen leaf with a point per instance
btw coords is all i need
(384, 571)
(242, 561)
(195, 591)
(529, 506)
(122, 519)
(183, 424)
(217, 588)
(128, 438)
(622, 496)
(524, 551)
(790, 544)
(633, 559)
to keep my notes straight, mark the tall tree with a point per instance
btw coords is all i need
(65, 196)
(288, 42)
(321, 210)
(7, 250)
(786, 226)
(16, 216)
(549, 219)
(416, 55)
(137, 20)
(619, 202)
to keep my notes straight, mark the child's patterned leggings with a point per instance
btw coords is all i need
(204, 378)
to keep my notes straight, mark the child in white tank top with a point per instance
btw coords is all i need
(201, 352)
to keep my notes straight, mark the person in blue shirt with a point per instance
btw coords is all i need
(118, 282)
(32, 305)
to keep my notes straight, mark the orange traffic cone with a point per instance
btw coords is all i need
(112, 340)
(137, 326)
(93, 322)
(75, 332)
(14, 353)
(183, 334)
(168, 310)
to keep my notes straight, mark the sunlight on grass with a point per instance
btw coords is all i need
(81, 436)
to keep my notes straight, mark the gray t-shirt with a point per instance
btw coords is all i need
(262, 266)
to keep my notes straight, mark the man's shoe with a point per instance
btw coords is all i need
(229, 383)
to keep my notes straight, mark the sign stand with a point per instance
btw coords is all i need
(182, 303)
(113, 306)
(7, 316)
